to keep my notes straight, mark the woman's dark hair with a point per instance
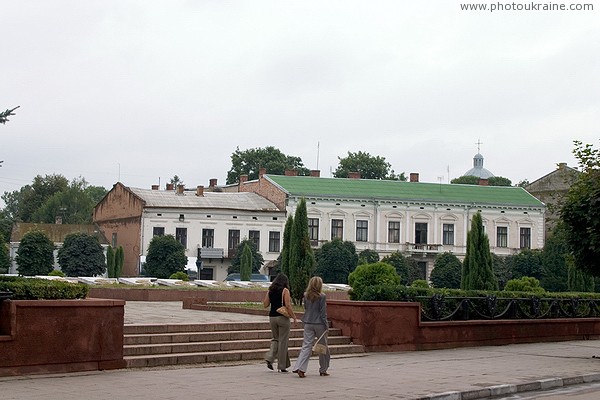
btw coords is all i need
(280, 282)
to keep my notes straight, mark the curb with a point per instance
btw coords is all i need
(500, 390)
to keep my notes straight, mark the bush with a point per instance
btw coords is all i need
(81, 255)
(524, 284)
(42, 289)
(180, 275)
(35, 255)
(371, 274)
(165, 257)
(420, 283)
(56, 272)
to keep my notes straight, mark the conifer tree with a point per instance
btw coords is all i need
(302, 259)
(478, 273)
(119, 261)
(110, 262)
(246, 264)
(285, 248)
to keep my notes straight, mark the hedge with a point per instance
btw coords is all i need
(42, 289)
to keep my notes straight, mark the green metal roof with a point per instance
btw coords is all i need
(369, 189)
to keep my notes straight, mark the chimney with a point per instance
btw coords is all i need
(483, 182)
(261, 172)
(180, 189)
(414, 177)
(315, 172)
(291, 172)
(154, 187)
(354, 175)
(58, 220)
(562, 165)
(170, 186)
(243, 179)
(200, 190)
(212, 183)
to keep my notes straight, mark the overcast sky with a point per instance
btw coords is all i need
(139, 91)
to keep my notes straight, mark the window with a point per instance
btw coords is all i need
(422, 268)
(313, 228)
(525, 238)
(254, 237)
(502, 236)
(181, 236)
(420, 233)
(337, 229)
(274, 242)
(158, 231)
(448, 234)
(394, 232)
(208, 238)
(233, 240)
(362, 231)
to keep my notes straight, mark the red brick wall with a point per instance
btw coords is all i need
(267, 190)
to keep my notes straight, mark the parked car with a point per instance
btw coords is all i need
(253, 278)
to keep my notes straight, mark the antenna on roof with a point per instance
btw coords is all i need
(318, 144)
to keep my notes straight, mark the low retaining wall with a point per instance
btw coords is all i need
(213, 295)
(396, 326)
(50, 336)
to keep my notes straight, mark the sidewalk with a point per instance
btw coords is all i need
(455, 373)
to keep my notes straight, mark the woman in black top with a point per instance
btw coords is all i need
(277, 296)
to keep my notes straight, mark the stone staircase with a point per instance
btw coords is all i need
(160, 345)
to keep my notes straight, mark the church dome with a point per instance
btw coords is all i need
(478, 169)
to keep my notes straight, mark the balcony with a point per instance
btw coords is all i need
(211, 252)
(424, 248)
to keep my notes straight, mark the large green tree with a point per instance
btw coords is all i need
(302, 259)
(406, 267)
(35, 255)
(368, 256)
(335, 261)
(236, 261)
(250, 161)
(370, 167)
(166, 255)
(477, 272)
(554, 261)
(446, 271)
(581, 211)
(527, 263)
(81, 255)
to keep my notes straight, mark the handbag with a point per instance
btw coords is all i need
(282, 310)
(318, 347)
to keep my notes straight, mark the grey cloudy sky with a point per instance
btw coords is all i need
(144, 90)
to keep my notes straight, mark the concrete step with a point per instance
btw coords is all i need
(222, 356)
(161, 345)
(184, 337)
(224, 345)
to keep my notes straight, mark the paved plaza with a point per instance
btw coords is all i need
(475, 372)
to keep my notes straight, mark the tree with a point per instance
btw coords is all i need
(285, 248)
(302, 259)
(406, 267)
(35, 255)
(119, 261)
(4, 256)
(110, 262)
(246, 263)
(368, 256)
(5, 114)
(166, 255)
(502, 269)
(554, 261)
(81, 255)
(236, 261)
(249, 162)
(581, 211)
(578, 280)
(175, 180)
(474, 180)
(335, 261)
(370, 167)
(527, 263)
(477, 272)
(366, 275)
(446, 271)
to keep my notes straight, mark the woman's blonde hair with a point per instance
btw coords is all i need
(313, 290)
